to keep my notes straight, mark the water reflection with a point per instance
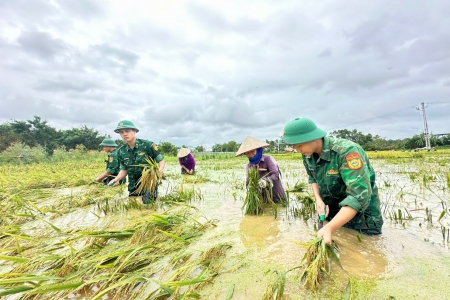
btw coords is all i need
(360, 258)
(258, 231)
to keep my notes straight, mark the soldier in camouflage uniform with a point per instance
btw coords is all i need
(132, 154)
(342, 179)
(112, 163)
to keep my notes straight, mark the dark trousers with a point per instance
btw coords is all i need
(147, 197)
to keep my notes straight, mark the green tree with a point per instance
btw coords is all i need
(217, 148)
(231, 146)
(88, 137)
(354, 135)
(35, 132)
(43, 134)
(167, 148)
(7, 136)
(199, 149)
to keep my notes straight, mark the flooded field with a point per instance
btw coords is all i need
(64, 238)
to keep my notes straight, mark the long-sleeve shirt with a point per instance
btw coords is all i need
(346, 178)
(188, 161)
(131, 159)
(268, 169)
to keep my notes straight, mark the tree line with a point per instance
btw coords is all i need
(371, 143)
(37, 132)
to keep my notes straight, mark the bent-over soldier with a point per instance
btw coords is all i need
(341, 177)
(112, 163)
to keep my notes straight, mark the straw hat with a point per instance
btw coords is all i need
(183, 152)
(251, 143)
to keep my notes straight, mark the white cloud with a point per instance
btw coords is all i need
(202, 72)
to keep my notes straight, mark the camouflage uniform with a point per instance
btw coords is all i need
(129, 160)
(346, 178)
(112, 167)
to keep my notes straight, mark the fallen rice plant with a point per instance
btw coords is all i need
(112, 261)
(275, 288)
(307, 207)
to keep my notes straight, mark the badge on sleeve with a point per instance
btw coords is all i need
(354, 161)
(155, 147)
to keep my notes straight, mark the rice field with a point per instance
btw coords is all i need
(64, 237)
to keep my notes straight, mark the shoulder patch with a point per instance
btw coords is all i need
(154, 146)
(354, 161)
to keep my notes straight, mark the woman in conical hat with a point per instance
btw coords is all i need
(268, 170)
(187, 161)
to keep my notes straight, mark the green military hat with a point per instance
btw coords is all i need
(301, 130)
(125, 124)
(108, 142)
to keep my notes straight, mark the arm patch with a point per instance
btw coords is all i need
(354, 161)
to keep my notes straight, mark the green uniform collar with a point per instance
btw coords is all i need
(326, 148)
(136, 145)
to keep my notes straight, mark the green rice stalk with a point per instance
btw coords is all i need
(253, 202)
(213, 257)
(13, 258)
(275, 287)
(15, 290)
(130, 280)
(317, 261)
(199, 279)
(48, 288)
(28, 278)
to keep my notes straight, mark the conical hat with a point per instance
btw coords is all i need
(251, 143)
(183, 152)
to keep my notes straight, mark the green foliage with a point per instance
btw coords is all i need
(34, 133)
(199, 149)
(19, 153)
(167, 148)
(231, 146)
(88, 137)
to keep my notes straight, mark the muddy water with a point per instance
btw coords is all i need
(386, 259)
(409, 260)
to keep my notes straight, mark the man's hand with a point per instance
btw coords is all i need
(262, 183)
(321, 208)
(325, 234)
(113, 183)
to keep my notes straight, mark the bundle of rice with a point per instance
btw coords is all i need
(150, 178)
(253, 203)
(318, 259)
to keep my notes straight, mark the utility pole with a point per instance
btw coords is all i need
(425, 126)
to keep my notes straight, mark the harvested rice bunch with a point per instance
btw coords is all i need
(150, 178)
(317, 261)
(253, 203)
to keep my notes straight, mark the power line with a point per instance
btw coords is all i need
(377, 117)
(388, 114)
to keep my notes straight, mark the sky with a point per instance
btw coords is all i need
(206, 72)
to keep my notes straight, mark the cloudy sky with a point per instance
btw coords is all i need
(206, 72)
